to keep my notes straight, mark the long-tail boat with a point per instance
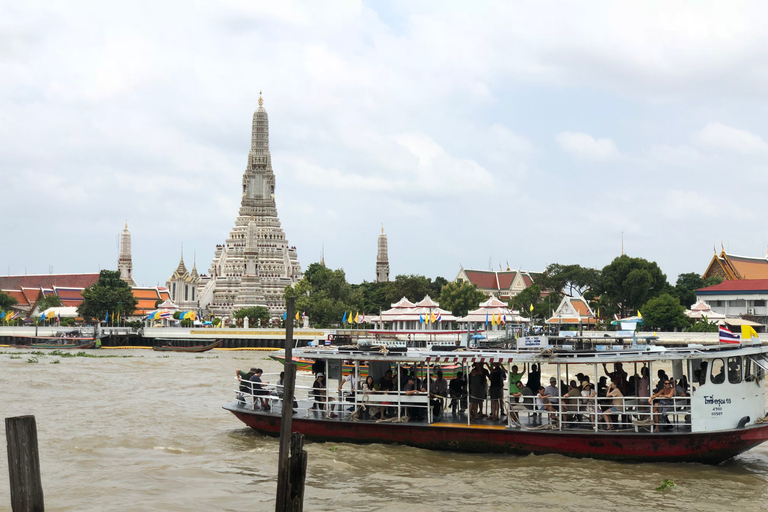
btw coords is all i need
(199, 348)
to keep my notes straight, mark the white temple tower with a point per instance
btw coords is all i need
(257, 247)
(124, 261)
(382, 259)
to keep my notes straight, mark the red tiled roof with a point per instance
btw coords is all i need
(505, 279)
(528, 281)
(742, 285)
(16, 294)
(145, 293)
(48, 281)
(31, 294)
(482, 278)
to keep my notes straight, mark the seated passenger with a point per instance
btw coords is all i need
(439, 390)
(662, 402)
(588, 395)
(411, 389)
(616, 406)
(520, 399)
(258, 390)
(369, 387)
(543, 404)
(387, 383)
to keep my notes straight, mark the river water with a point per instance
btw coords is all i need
(145, 431)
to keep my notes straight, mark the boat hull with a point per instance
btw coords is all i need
(706, 447)
(55, 346)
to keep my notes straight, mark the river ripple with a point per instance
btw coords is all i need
(147, 432)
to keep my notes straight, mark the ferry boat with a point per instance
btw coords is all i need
(722, 414)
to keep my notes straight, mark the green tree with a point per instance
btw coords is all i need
(688, 283)
(412, 287)
(325, 295)
(664, 313)
(49, 301)
(6, 301)
(374, 297)
(109, 294)
(460, 297)
(523, 301)
(702, 325)
(628, 283)
(570, 279)
(257, 315)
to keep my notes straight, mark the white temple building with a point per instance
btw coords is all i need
(493, 315)
(255, 264)
(425, 315)
(183, 286)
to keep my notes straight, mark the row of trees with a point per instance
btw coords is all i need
(623, 287)
(325, 295)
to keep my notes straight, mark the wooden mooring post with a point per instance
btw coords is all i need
(24, 464)
(292, 458)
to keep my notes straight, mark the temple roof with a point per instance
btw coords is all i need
(742, 285)
(427, 302)
(734, 267)
(48, 281)
(573, 310)
(403, 303)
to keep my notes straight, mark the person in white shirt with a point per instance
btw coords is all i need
(348, 395)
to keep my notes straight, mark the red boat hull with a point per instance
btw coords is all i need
(708, 447)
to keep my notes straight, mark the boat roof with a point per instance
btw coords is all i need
(553, 355)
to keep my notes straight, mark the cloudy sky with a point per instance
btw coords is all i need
(479, 134)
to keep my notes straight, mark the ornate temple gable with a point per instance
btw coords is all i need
(731, 267)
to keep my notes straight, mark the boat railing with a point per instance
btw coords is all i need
(602, 413)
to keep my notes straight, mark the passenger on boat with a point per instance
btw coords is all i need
(348, 396)
(369, 387)
(619, 375)
(387, 382)
(682, 387)
(602, 386)
(543, 404)
(521, 400)
(662, 378)
(515, 377)
(318, 391)
(415, 413)
(257, 387)
(588, 395)
(553, 391)
(477, 382)
(497, 377)
(458, 392)
(663, 403)
(571, 401)
(534, 377)
(439, 389)
(616, 405)
(318, 367)
(644, 391)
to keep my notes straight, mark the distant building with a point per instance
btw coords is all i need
(425, 315)
(256, 263)
(124, 261)
(730, 267)
(503, 284)
(737, 298)
(494, 315)
(27, 290)
(573, 311)
(382, 259)
(183, 286)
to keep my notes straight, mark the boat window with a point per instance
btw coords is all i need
(717, 376)
(756, 367)
(734, 370)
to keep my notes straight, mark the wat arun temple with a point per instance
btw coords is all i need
(255, 264)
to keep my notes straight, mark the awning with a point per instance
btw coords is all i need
(740, 321)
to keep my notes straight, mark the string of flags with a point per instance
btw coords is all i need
(357, 318)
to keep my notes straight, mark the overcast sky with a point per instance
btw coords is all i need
(477, 133)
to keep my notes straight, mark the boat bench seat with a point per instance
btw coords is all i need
(392, 398)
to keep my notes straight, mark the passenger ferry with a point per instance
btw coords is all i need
(720, 414)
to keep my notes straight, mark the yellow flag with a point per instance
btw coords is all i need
(531, 307)
(357, 317)
(350, 320)
(747, 332)
(297, 315)
(639, 314)
(433, 317)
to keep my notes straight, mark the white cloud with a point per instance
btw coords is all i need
(583, 145)
(717, 135)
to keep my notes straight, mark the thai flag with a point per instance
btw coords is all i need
(726, 336)
(439, 316)
(327, 341)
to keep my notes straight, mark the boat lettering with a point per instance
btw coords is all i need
(711, 400)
